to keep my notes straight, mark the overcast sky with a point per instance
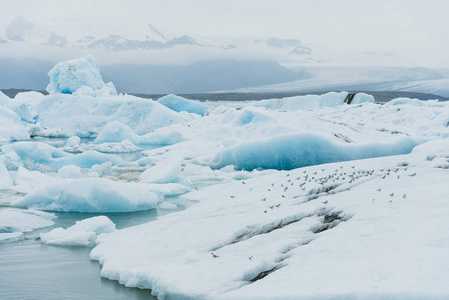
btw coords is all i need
(415, 32)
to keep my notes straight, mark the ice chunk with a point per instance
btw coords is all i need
(73, 141)
(90, 195)
(69, 171)
(167, 205)
(85, 116)
(362, 98)
(11, 127)
(13, 222)
(102, 169)
(115, 132)
(45, 154)
(80, 75)
(308, 102)
(164, 172)
(4, 100)
(179, 104)
(290, 151)
(118, 132)
(83, 233)
(5, 178)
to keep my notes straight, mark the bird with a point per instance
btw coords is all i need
(232, 196)
(243, 182)
(325, 202)
(250, 257)
(264, 199)
(379, 189)
(399, 177)
(392, 194)
(413, 174)
(404, 196)
(214, 255)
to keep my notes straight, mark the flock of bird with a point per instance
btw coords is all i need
(313, 184)
(316, 183)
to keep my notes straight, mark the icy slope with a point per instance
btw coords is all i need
(349, 230)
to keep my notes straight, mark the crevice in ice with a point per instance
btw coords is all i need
(342, 137)
(263, 229)
(264, 274)
(330, 220)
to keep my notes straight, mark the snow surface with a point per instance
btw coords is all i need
(367, 229)
(83, 233)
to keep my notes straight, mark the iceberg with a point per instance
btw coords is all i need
(14, 222)
(285, 235)
(180, 104)
(166, 171)
(80, 77)
(5, 178)
(11, 127)
(116, 132)
(47, 155)
(83, 233)
(90, 195)
(291, 151)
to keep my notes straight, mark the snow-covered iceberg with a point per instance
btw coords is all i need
(286, 235)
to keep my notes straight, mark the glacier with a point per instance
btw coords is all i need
(310, 197)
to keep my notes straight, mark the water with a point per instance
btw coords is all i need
(32, 270)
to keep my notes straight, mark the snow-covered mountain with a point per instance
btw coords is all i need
(139, 37)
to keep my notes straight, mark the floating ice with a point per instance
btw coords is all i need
(179, 104)
(286, 152)
(45, 154)
(167, 205)
(83, 233)
(73, 141)
(11, 127)
(164, 172)
(308, 102)
(63, 115)
(69, 171)
(5, 178)
(90, 195)
(14, 222)
(259, 238)
(118, 132)
(79, 76)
